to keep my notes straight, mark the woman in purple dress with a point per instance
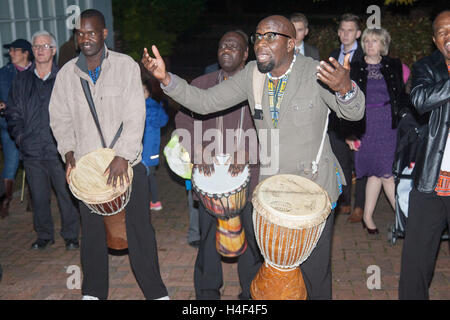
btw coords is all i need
(381, 79)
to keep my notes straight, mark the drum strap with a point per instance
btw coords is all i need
(87, 93)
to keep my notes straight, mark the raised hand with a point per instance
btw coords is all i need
(337, 78)
(117, 169)
(156, 65)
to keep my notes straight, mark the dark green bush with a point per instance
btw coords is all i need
(141, 23)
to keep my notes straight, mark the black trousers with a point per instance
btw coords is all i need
(208, 266)
(316, 270)
(41, 176)
(151, 174)
(141, 238)
(345, 156)
(428, 216)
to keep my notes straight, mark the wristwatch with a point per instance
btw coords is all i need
(349, 94)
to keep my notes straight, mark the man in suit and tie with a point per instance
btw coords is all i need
(349, 32)
(300, 23)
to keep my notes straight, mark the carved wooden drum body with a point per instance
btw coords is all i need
(88, 184)
(224, 197)
(289, 215)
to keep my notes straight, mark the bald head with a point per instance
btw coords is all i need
(283, 24)
(233, 52)
(444, 15)
(441, 34)
(274, 54)
(238, 35)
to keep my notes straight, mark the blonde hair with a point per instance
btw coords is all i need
(382, 34)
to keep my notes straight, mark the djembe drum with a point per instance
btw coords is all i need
(89, 184)
(224, 197)
(289, 215)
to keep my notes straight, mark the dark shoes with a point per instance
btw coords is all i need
(72, 244)
(41, 244)
(356, 215)
(195, 243)
(369, 231)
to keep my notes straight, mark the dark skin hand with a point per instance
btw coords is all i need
(206, 169)
(117, 170)
(236, 165)
(235, 168)
(70, 164)
(337, 78)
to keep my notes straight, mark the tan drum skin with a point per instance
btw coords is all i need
(89, 184)
(289, 215)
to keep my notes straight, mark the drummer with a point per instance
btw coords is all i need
(232, 54)
(115, 83)
(295, 108)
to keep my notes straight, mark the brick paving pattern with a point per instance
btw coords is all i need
(47, 275)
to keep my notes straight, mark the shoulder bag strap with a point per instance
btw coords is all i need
(258, 87)
(87, 93)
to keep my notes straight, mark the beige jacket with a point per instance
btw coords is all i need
(293, 146)
(118, 96)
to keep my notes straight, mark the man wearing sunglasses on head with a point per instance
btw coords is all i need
(297, 95)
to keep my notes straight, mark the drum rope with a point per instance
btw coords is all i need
(100, 208)
(302, 252)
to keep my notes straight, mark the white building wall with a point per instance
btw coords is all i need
(22, 18)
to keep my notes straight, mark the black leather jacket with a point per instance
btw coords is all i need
(430, 93)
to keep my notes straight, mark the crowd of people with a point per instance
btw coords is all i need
(336, 119)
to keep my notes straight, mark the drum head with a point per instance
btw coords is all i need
(291, 201)
(87, 181)
(221, 181)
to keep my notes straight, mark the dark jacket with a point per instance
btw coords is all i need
(430, 93)
(341, 127)
(311, 51)
(392, 72)
(357, 56)
(7, 74)
(28, 117)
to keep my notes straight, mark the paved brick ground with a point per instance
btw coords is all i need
(33, 275)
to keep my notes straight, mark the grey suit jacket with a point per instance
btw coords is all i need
(294, 144)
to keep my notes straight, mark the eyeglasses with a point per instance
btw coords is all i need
(230, 46)
(45, 46)
(268, 36)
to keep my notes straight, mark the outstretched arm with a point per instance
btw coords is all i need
(156, 65)
(220, 97)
